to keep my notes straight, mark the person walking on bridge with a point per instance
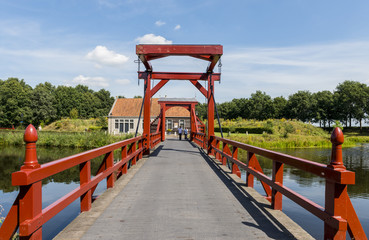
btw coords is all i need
(180, 133)
(185, 133)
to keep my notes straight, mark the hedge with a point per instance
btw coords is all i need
(257, 130)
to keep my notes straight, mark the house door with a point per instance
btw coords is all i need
(126, 126)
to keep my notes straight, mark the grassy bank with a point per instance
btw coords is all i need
(62, 139)
(77, 125)
(286, 134)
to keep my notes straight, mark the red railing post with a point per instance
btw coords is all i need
(140, 148)
(277, 177)
(134, 159)
(336, 193)
(109, 164)
(226, 151)
(124, 155)
(84, 178)
(251, 158)
(217, 154)
(235, 168)
(30, 202)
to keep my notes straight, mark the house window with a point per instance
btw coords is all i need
(169, 124)
(116, 124)
(126, 125)
(131, 124)
(121, 125)
(181, 123)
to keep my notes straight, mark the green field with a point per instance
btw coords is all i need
(282, 133)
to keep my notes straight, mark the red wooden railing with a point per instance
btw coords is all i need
(155, 139)
(26, 211)
(338, 214)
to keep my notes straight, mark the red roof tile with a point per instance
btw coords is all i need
(130, 107)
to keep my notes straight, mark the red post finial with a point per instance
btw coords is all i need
(337, 140)
(30, 137)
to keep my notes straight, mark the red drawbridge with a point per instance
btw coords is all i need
(27, 214)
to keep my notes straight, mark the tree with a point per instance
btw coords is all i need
(105, 102)
(261, 106)
(202, 110)
(15, 102)
(43, 103)
(279, 105)
(352, 100)
(73, 113)
(301, 106)
(324, 107)
(66, 99)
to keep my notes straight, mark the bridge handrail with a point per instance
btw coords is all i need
(26, 211)
(155, 139)
(26, 177)
(339, 215)
(319, 169)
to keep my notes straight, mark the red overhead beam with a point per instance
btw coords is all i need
(179, 76)
(172, 49)
(149, 52)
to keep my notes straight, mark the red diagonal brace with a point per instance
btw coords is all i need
(200, 87)
(158, 87)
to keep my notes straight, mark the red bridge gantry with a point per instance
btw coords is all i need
(210, 53)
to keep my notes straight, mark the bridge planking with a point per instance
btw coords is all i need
(180, 193)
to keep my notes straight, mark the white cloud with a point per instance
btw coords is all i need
(123, 81)
(102, 55)
(159, 23)
(285, 70)
(177, 27)
(152, 39)
(91, 81)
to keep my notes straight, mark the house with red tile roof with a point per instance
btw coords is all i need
(124, 114)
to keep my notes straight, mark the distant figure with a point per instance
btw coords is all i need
(180, 133)
(185, 133)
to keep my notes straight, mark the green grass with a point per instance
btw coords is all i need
(74, 125)
(287, 134)
(63, 139)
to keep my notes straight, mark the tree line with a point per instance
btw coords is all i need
(348, 103)
(20, 104)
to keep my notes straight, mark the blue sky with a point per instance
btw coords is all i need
(276, 46)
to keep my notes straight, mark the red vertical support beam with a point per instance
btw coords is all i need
(251, 158)
(134, 159)
(30, 196)
(109, 164)
(84, 178)
(210, 112)
(140, 148)
(146, 119)
(192, 119)
(235, 168)
(335, 193)
(163, 123)
(124, 155)
(277, 178)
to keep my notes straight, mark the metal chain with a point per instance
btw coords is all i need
(220, 65)
(220, 68)
(138, 61)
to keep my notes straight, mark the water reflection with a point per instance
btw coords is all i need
(12, 159)
(313, 187)
(54, 187)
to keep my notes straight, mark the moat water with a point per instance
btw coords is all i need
(311, 186)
